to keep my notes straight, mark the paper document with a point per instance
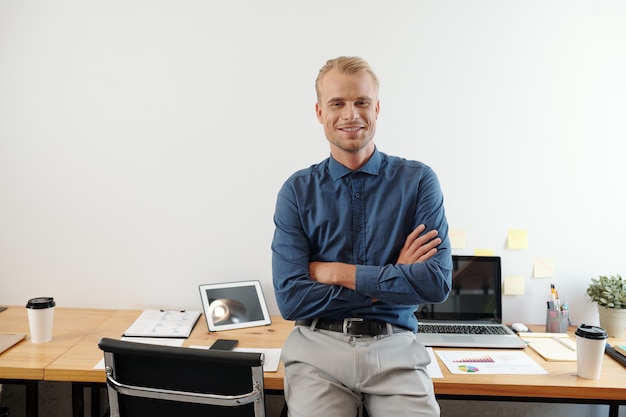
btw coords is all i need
(433, 368)
(489, 362)
(163, 323)
(557, 347)
(271, 355)
(161, 341)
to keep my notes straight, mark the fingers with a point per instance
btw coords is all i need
(427, 249)
(427, 237)
(415, 233)
(427, 255)
(416, 240)
(419, 248)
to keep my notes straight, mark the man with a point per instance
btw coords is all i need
(360, 241)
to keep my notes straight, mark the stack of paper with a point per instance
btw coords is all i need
(551, 346)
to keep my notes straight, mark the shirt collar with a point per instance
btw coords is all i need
(372, 166)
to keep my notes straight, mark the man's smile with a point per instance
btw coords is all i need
(351, 129)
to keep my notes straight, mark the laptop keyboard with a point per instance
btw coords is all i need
(461, 328)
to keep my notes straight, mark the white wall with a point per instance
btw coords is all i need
(142, 142)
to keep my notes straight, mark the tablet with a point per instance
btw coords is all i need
(234, 305)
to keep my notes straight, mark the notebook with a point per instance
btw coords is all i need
(551, 346)
(472, 314)
(8, 340)
(615, 354)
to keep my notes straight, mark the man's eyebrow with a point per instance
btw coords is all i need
(339, 99)
(334, 100)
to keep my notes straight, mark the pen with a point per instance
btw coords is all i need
(555, 303)
(565, 342)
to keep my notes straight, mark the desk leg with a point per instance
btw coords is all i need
(78, 400)
(95, 401)
(32, 398)
(613, 410)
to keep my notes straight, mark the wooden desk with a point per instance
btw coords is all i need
(25, 362)
(561, 384)
(77, 364)
(73, 353)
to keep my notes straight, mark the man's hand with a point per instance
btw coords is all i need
(333, 273)
(418, 248)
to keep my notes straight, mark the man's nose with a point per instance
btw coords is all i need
(350, 113)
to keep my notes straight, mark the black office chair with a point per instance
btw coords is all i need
(147, 380)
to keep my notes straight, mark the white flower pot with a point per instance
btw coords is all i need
(613, 320)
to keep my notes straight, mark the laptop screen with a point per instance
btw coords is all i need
(476, 292)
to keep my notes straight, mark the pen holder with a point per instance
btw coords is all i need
(557, 321)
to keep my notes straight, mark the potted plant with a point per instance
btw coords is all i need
(610, 295)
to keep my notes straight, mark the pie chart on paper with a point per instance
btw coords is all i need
(469, 369)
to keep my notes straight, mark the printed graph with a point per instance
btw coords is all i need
(469, 369)
(475, 359)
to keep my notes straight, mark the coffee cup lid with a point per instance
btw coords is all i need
(591, 332)
(40, 302)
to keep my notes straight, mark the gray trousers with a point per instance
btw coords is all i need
(330, 374)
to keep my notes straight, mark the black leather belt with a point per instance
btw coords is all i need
(351, 326)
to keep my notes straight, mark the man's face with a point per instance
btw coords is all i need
(348, 108)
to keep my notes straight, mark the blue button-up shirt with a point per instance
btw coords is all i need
(329, 213)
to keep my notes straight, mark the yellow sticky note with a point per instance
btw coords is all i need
(543, 268)
(457, 238)
(514, 285)
(483, 252)
(518, 239)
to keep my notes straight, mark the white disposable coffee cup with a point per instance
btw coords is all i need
(590, 343)
(40, 318)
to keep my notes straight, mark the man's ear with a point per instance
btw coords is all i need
(318, 112)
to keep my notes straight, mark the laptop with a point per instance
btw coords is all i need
(9, 340)
(471, 317)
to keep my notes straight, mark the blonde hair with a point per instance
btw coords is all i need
(345, 65)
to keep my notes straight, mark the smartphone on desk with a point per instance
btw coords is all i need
(224, 344)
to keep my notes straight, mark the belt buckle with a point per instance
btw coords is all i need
(347, 323)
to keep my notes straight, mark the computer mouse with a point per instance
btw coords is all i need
(519, 327)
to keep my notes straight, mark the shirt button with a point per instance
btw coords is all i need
(357, 195)
(358, 228)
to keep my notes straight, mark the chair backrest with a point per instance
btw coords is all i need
(146, 380)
